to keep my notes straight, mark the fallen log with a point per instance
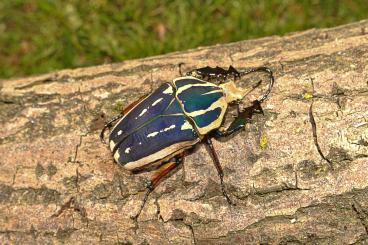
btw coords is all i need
(298, 174)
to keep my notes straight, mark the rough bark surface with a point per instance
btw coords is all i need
(59, 183)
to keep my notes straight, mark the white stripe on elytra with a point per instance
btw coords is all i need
(152, 134)
(120, 132)
(142, 112)
(166, 129)
(161, 131)
(157, 101)
(169, 90)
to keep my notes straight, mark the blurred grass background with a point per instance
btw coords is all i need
(38, 36)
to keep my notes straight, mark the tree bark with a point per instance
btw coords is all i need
(59, 183)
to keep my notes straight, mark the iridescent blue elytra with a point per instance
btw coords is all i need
(168, 121)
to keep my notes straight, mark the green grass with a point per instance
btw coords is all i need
(38, 36)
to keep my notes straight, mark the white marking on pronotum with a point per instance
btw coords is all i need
(152, 134)
(220, 103)
(169, 90)
(187, 86)
(120, 131)
(212, 92)
(127, 150)
(186, 125)
(157, 101)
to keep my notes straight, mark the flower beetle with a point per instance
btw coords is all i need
(158, 130)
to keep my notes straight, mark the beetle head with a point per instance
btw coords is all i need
(234, 93)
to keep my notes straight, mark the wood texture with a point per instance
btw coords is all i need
(59, 184)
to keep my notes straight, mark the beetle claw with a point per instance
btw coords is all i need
(229, 201)
(102, 134)
(108, 125)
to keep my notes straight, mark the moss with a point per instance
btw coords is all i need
(119, 106)
(336, 90)
(102, 191)
(39, 170)
(178, 214)
(308, 169)
(64, 234)
(41, 195)
(339, 156)
(70, 182)
(51, 170)
(5, 193)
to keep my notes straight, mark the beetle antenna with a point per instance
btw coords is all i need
(265, 70)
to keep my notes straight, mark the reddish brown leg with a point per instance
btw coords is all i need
(163, 171)
(115, 118)
(220, 172)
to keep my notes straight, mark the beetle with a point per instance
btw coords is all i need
(158, 130)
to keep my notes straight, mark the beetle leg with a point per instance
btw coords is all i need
(217, 73)
(109, 125)
(239, 122)
(117, 117)
(214, 73)
(180, 71)
(220, 172)
(163, 171)
(246, 114)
